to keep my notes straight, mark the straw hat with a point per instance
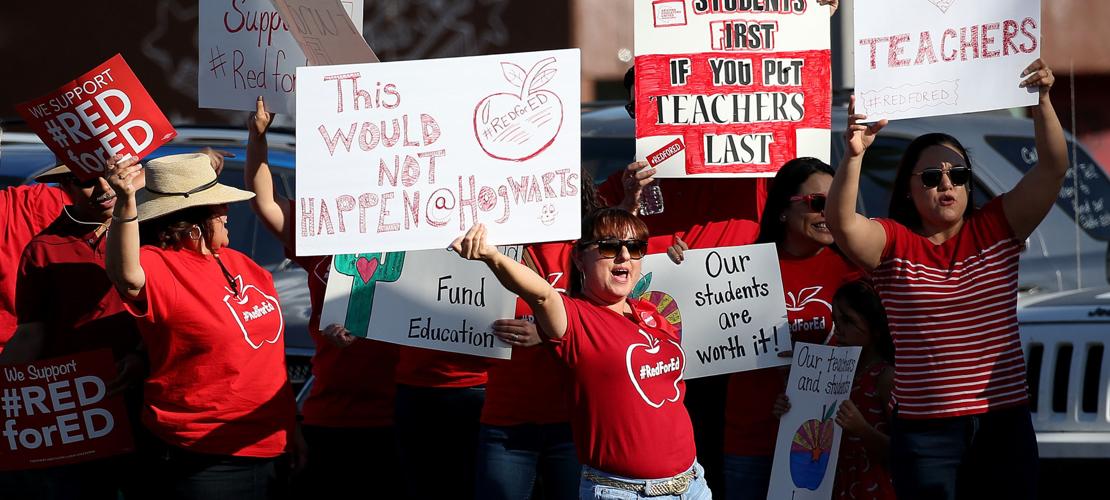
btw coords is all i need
(53, 175)
(178, 182)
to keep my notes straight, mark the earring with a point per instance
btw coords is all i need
(782, 218)
(198, 233)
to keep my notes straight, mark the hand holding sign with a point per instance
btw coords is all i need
(473, 246)
(259, 121)
(1039, 75)
(125, 176)
(517, 332)
(859, 136)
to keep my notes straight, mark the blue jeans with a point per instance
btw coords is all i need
(990, 455)
(698, 490)
(510, 458)
(747, 477)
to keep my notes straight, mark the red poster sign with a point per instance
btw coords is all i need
(100, 114)
(57, 412)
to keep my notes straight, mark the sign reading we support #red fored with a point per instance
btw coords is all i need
(58, 411)
(100, 114)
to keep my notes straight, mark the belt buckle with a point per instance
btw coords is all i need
(674, 486)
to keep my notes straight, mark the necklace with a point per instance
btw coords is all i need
(98, 232)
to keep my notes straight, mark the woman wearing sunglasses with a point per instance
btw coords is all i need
(947, 274)
(631, 430)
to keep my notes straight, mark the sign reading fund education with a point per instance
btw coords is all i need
(430, 299)
(58, 411)
(726, 303)
(936, 57)
(100, 114)
(731, 88)
(409, 155)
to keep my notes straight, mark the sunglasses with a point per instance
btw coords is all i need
(83, 184)
(930, 177)
(815, 201)
(609, 248)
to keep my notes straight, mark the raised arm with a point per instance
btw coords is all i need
(121, 259)
(546, 304)
(1028, 203)
(860, 238)
(270, 207)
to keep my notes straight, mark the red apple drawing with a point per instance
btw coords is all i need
(258, 314)
(518, 126)
(655, 369)
(807, 315)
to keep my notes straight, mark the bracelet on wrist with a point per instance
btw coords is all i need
(116, 218)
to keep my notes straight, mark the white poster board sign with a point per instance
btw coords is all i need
(246, 51)
(409, 155)
(809, 438)
(325, 31)
(937, 57)
(430, 299)
(727, 304)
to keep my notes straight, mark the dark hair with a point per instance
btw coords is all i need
(603, 223)
(171, 229)
(861, 297)
(589, 197)
(787, 183)
(902, 209)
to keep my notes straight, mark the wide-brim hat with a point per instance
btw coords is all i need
(177, 182)
(55, 174)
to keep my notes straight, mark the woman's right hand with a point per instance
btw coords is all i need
(782, 405)
(473, 246)
(338, 335)
(859, 136)
(677, 250)
(124, 176)
(260, 120)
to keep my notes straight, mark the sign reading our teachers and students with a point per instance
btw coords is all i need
(100, 114)
(247, 50)
(431, 299)
(937, 57)
(726, 303)
(731, 88)
(409, 155)
(58, 411)
(809, 439)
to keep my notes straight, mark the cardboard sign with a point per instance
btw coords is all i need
(809, 438)
(937, 57)
(325, 32)
(740, 87)
(727, 304)
(57, 412)
(102, 113)
(409, 155)
(431, 299)
(247, 50)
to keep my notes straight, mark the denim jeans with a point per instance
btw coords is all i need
(512, 458)
(437, 440)
(698, 490)
(990, 455)
(747, 477)
(176, 473)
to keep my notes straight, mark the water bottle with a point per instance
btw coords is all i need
(651, 199)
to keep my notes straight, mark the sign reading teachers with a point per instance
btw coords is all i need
(430, 299)
(731, 88)
(726, 303)
(936, 57)
(809, 438)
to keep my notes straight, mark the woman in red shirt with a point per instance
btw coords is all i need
(631, 430)
(947, 275)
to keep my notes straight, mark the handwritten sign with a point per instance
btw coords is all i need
(741, 87)
(809, 439)
(247, 50)
(936, 57)
(57, 412)
(430, 299)
(100, 114)
(409, 155)
(324, 30)
(727, 304)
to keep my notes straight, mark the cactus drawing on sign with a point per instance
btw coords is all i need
(367, 269)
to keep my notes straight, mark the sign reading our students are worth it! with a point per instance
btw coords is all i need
(409, 155)
(58, 411)
(100, 114)
(731, 87)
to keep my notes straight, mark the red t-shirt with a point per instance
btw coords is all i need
(953, 317)
(627, 416)
(24, 212)
(809, 285)
(430, 368)
(62, 284)
(217, 381)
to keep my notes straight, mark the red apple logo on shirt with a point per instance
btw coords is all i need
(656, 369)
(808, 315)
(519, 125)
(258, 314)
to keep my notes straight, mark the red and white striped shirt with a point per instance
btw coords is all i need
(953, 316)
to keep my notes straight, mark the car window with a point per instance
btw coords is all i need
(603, 156)
(880, 167)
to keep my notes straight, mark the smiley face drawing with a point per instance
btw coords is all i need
(548, 214)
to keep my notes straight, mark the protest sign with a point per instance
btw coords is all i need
(102, 113)
(431, 299)
(936, 57)
(409, 155)
(727, 304)
(739, 88)
(57, 412)
(809, 438)
(246, 50)
(325, 32)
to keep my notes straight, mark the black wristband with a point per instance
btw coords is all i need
(131, 219)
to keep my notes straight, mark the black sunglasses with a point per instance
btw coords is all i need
(816, 201)
(930, 177)
(83, 184)
(609, 248)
